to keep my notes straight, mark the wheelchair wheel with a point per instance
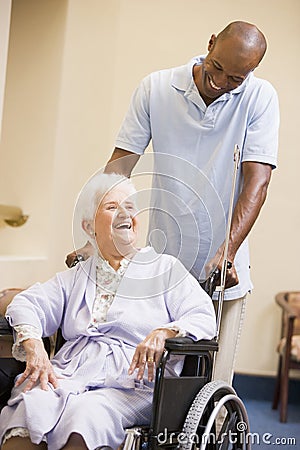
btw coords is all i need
(217, 419)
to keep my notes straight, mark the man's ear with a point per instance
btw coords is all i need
(88, 227)
(211, 42)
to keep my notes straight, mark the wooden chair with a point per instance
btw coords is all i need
(288, 348)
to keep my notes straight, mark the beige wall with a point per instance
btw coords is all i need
(72, 68)
(5, 14)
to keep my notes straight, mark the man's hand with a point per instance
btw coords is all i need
(149, 352)
(216, 264)
(85, 252)
(38, 366)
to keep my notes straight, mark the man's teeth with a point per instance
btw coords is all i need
(214, 86)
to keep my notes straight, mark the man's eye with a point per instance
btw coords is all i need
(236, 80)
(217, 67)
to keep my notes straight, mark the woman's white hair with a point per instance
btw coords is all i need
(96, 189)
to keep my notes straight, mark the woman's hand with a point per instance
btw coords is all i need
(149, 352)
(38, 366)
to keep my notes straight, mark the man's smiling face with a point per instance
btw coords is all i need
(225, 68)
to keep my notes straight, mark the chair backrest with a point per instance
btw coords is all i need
(293, 300)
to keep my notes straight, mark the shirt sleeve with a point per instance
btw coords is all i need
(135, 132)
(261, 140)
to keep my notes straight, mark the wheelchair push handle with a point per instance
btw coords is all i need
(217, 279)
(221, 288)
(211, 283)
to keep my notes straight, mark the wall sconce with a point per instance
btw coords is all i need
(12, 215)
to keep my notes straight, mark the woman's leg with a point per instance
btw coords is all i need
(23, 443)
(75, 442)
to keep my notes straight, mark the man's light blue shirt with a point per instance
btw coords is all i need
(193, 148)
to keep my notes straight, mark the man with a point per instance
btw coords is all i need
(194, 115)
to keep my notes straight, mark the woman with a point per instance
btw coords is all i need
(115, 310)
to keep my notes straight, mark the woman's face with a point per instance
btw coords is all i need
(116, 222)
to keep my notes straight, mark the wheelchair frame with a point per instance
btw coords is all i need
(185, 408)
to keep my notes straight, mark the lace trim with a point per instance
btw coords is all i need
(15, 432)
(180, 331)
(18, 432)
(108, 281)
(23, 332)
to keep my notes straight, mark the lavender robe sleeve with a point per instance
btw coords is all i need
(189, 305)
(42, 305)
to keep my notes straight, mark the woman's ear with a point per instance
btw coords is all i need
(88, 227)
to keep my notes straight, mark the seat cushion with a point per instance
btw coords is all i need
(295, 350)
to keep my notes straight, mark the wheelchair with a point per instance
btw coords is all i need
(185, 408)
(192, 412)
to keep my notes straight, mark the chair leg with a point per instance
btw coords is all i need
(277, 384)
(284, 392)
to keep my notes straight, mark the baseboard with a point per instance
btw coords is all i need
(262, 388)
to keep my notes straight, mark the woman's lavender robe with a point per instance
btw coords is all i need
(96, 397)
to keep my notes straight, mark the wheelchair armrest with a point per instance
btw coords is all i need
(187, 345)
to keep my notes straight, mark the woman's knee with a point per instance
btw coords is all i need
(75, 442)
(22, 443)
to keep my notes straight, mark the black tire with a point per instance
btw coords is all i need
(200, 420)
